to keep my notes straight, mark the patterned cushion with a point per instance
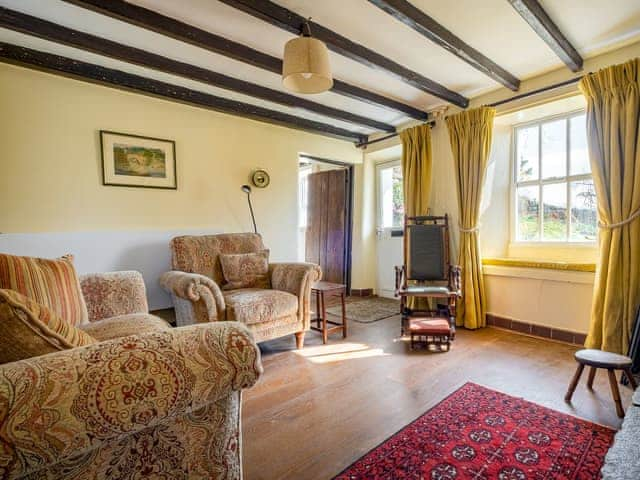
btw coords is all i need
(251, 305)
(125, 325)
(245, 270)
(52, 283)
(28, 329)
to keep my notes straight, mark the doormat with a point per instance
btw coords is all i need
(367, 310)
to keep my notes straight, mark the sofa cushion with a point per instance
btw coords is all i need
(125, 325)
(28, 329)
(245, 270)
(52, 283)
(253, 305)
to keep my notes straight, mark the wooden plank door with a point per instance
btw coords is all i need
(326, 235)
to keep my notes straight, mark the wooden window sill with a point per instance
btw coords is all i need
(545, 265)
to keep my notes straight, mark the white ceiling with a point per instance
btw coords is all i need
(491, 26)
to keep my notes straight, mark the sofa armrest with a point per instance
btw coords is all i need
(197, 289)
(65, 404)
(296, 278)
(114, 293)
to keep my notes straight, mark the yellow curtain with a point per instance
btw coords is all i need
(416, 180)
(470, 134)
(613, 115)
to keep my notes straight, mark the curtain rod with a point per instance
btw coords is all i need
(494, 104)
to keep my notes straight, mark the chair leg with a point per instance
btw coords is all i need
(613, 382)
(632, 380)
(592, 375)
(574, 383)
(299, 340)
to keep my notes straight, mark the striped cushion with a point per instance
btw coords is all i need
(28, 329)
(52, 283)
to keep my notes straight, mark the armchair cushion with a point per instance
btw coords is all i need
(125, 325)
(253, 305)
(28, 329)
(245, 270)
(114, 293)
(52, 283)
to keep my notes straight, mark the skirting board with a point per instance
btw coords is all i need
(146, 251)
(362, 292)
(566, 336)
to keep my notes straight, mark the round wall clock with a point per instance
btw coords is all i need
(260, 178)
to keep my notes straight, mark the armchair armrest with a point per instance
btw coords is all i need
(63, 405)
(199, 290)
(296, 278)
(114, 293)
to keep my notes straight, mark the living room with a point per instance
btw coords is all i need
(293, 239)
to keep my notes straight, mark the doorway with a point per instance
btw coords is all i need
(325, 216)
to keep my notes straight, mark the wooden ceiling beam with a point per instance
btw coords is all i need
(426, 26)
(547, 30)
(292, 22)
(98, 74)
(56, 33)
(170, 27)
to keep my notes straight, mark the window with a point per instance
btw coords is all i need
(390, 199)
(555, 199)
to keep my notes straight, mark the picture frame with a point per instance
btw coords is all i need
(137, 161)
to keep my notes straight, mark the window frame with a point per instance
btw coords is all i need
(540, 183)
(379, 167)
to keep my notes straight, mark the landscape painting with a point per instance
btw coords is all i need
(137, 161)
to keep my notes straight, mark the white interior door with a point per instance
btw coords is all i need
(390, 223)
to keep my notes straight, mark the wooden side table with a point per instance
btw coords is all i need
(321, 291)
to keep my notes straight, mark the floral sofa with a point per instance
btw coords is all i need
(281, 307)
(144, 400)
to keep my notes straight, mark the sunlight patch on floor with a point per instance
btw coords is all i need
(340, 352)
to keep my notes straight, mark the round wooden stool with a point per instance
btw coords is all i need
(599, 359)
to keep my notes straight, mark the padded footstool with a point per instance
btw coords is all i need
(607, 360)
(430, 330)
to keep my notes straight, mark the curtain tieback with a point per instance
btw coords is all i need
(611, 226)
(468, 230)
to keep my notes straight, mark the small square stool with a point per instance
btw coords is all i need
(433, 331)
(320, 290)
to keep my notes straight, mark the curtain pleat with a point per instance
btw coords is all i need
(613, 116)
(470, 135)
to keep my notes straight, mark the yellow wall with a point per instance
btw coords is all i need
(50, 173)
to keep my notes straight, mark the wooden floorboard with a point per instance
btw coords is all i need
(317, 410)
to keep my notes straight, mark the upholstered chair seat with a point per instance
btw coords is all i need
(201, 293)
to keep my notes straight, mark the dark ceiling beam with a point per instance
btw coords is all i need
(426, 26)
(292, 22)
(539, 20)
(170, 27)
(135, 83)
(56, 33)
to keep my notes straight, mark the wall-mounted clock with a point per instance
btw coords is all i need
(260, 178)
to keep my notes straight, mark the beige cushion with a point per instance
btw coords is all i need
(51, 283)
(251, 305)
(125, 325)
(245, 270)
(28, 329)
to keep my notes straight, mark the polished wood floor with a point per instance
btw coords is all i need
(317, 410)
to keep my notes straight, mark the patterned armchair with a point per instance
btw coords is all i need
(195, 285)
(163, 403)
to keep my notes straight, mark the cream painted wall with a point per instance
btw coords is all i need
(50, 174)
(552, 299)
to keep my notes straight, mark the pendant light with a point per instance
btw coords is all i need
(305, 66)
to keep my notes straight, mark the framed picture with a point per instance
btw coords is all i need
(135, 161)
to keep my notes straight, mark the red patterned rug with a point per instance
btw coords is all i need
(480, 434)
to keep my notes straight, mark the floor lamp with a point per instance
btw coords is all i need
(247, 189)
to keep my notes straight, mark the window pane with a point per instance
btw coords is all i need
(527, 217)
(583, 211)
(554, 211)
(527, 153)
(579, 158)
(554, 144)
(391, 201)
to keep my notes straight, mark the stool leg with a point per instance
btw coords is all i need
(574, 383)
(592, 375)
(324, 321)
(344, 316)
(613, 382)
(631, 378)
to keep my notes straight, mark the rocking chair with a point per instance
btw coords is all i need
(427, 273)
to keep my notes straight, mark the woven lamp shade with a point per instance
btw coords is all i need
(306, 68)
